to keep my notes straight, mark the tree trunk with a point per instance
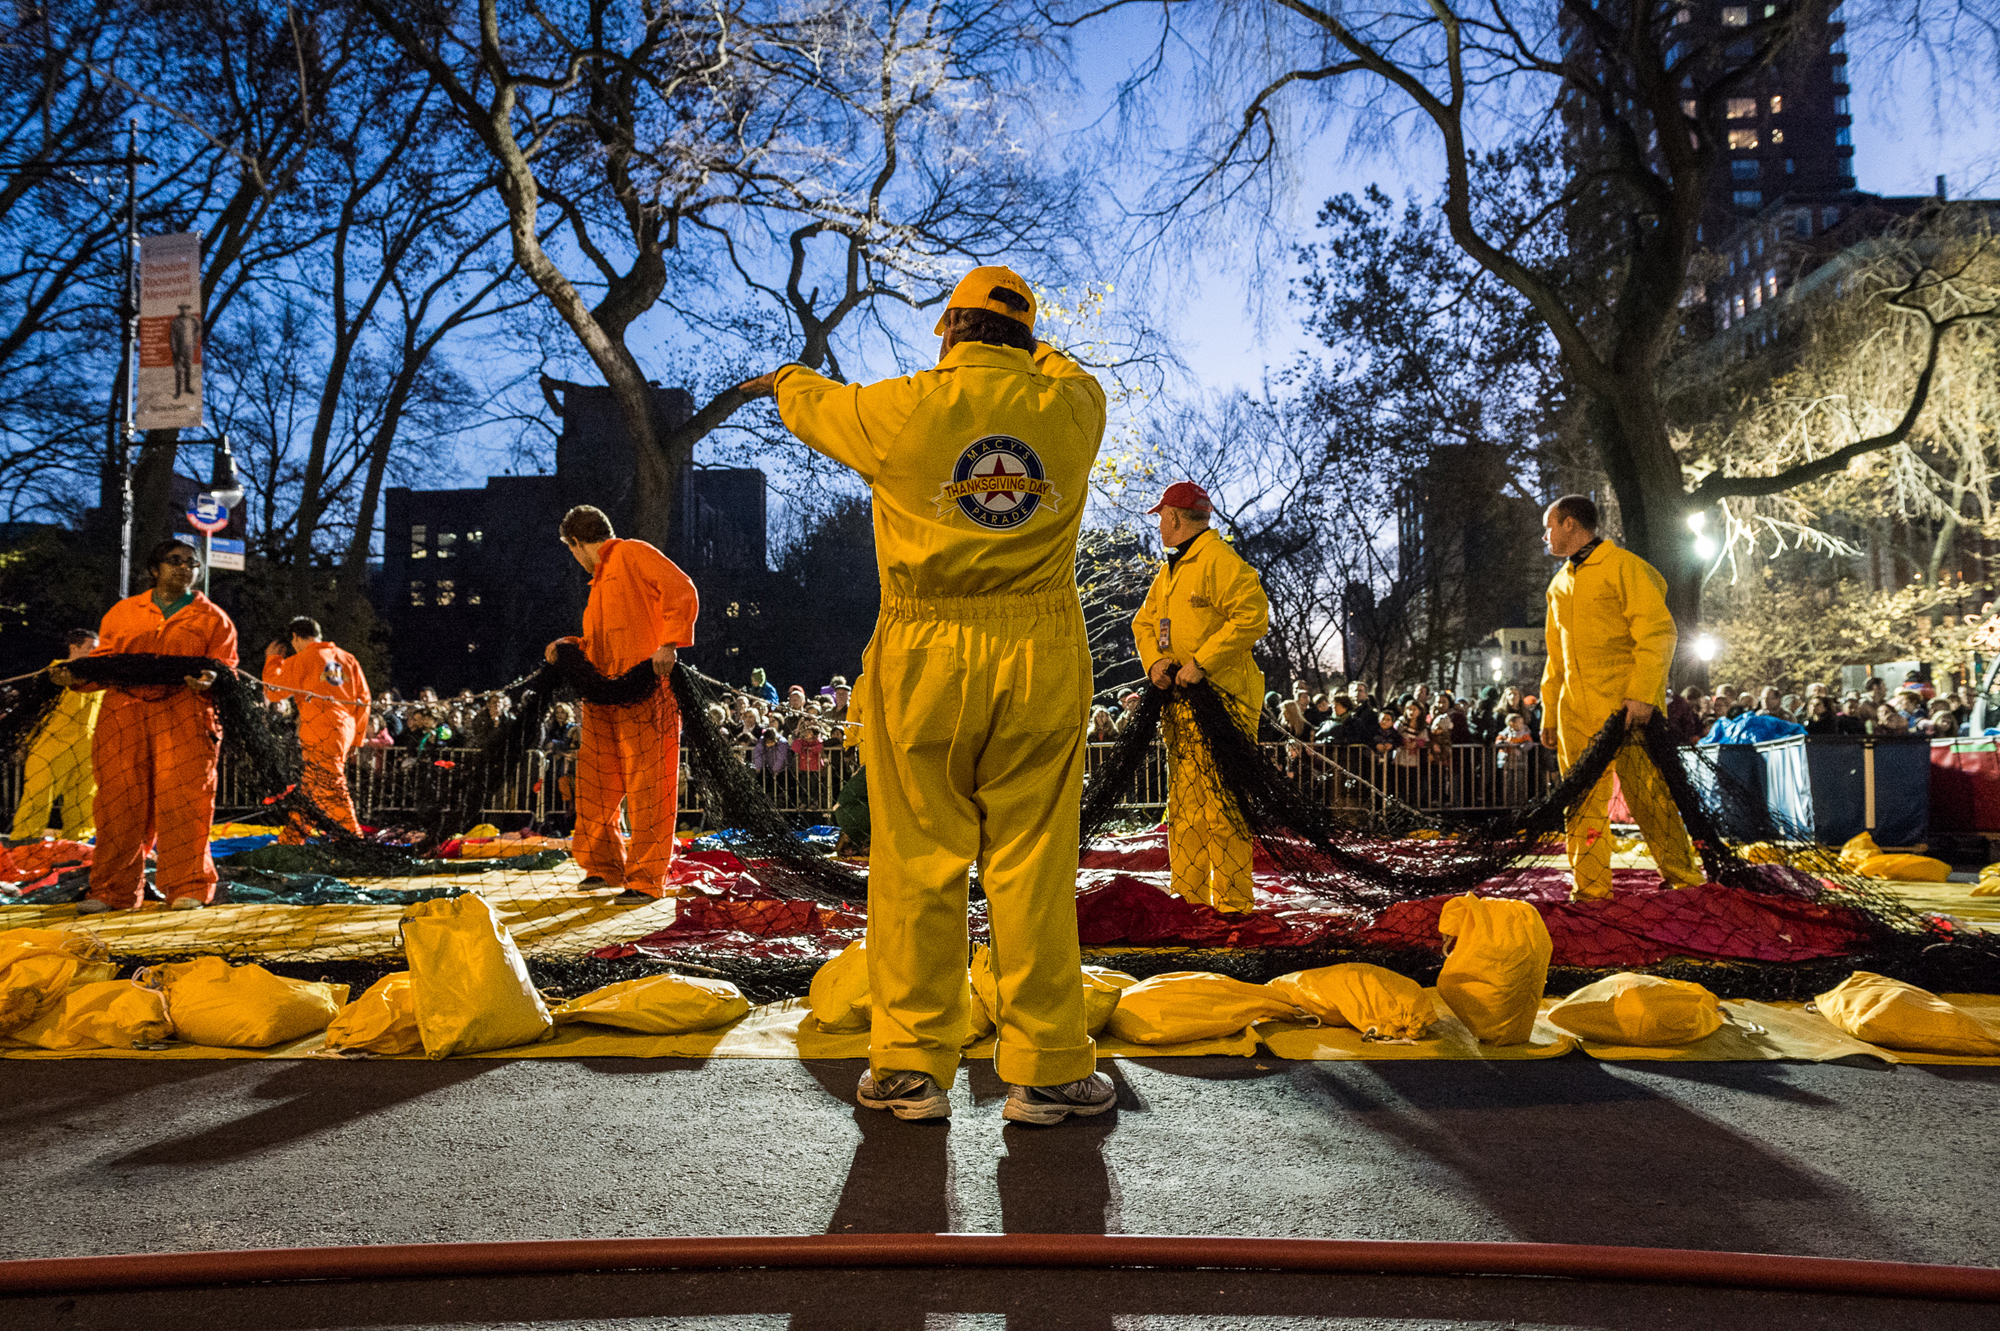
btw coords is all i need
(1632, 441)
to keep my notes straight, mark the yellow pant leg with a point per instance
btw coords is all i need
(1032, 786)
(1588, 837)
(1659, 821)
(955, 776)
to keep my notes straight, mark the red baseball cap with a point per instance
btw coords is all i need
(1184, 494)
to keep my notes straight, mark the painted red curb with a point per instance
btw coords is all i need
(1673, 1266)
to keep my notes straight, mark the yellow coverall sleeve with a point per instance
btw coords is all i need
(850, 423)
(1248, 613)
(1552, 673)
(1056, 365)
(1146, 624)
(1643, 594)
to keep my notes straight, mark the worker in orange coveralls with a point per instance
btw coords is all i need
(642, 607)
(156, 744)
(332, 698)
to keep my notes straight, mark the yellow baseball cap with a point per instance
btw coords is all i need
(981, 289)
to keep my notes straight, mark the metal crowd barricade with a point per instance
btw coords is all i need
(386, 782)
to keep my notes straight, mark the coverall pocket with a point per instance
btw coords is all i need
(1042, 688)
(922, 695)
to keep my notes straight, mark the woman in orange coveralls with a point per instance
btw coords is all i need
(332, 699)
(641, 608)
(155, 746)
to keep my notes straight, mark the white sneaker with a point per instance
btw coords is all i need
(1052, 1104)
(185, 903)
(912, 1095)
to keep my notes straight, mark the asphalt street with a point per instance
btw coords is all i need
(1872, 1162)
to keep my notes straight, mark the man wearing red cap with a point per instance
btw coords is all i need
(1205, 610)
(973, 705)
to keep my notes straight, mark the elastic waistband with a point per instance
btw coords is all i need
(1059, 602)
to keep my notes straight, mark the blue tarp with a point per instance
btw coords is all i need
(1817, 786)
(1750, 728)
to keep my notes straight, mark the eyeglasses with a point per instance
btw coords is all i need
(182, 563)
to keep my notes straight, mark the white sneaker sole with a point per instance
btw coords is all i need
(1020, 1111)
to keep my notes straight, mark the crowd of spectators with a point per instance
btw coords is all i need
(1914, 708)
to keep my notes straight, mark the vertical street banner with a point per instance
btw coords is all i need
(169, 384)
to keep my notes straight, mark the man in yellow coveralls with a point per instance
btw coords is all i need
(974, 695)
(58, 765)
(1205, 609)
(1610, 641)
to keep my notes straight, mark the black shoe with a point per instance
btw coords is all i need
(594, 881)
(631, 896)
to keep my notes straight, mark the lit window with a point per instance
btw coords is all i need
(1756, 301)
(445, 592)
(1688, 109)
(1735, 16)
(1742, 108)
(1739, 307)
(1777, 136)
(471, 646)
(416, 593)
(471, 597)
(1770, 284)
(447, 544)
(1683, 16)
(1748, 198)
(417, 550)
(1741, 139)
(1725, 316)
(474, 537)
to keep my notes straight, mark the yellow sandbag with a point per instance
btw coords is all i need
(473, 992)
(1895, 1015)
(1374, 1000)
(1904, 868)
(507, 850)
(984, 987)
(1643, 1010)
(1493, 978)
(109, 1014)
(1193, 1005)
(37, 965)
(482, 832)
(839, 992)
(1859, 847)
(381, 1021)
(241, 1007)
(1102, 988)
(658, 1005)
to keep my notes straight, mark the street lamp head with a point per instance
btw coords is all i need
(1706, 647)
(223, 482)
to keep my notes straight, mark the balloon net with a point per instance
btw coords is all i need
(139, 790)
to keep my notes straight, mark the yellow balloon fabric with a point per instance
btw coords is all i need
(1193, 1005)
(658, 1005)
(109, 1014)
(1372, 999)
(1895, 1015)
(1859, 848)
(1904, 868)
(473, 992)
(241, 1007)
(1644, 1010)
(839, 993)
(1498, 965)
(382, 1021)
(38, 965)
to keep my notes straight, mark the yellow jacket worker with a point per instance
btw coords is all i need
(58, 764)
(1204, 611)
(1610, 640)
(973, 701)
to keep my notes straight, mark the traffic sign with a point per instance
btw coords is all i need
(207, 513)
(225, 556)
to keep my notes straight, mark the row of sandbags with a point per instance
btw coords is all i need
(466, 992)
(1492, 980)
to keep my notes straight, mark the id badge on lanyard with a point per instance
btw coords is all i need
(1166, 634)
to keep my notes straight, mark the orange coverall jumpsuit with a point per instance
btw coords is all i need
(155, 752)
(640, 601)
(328, 729)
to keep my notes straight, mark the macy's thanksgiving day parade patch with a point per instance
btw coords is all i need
(998, 482)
